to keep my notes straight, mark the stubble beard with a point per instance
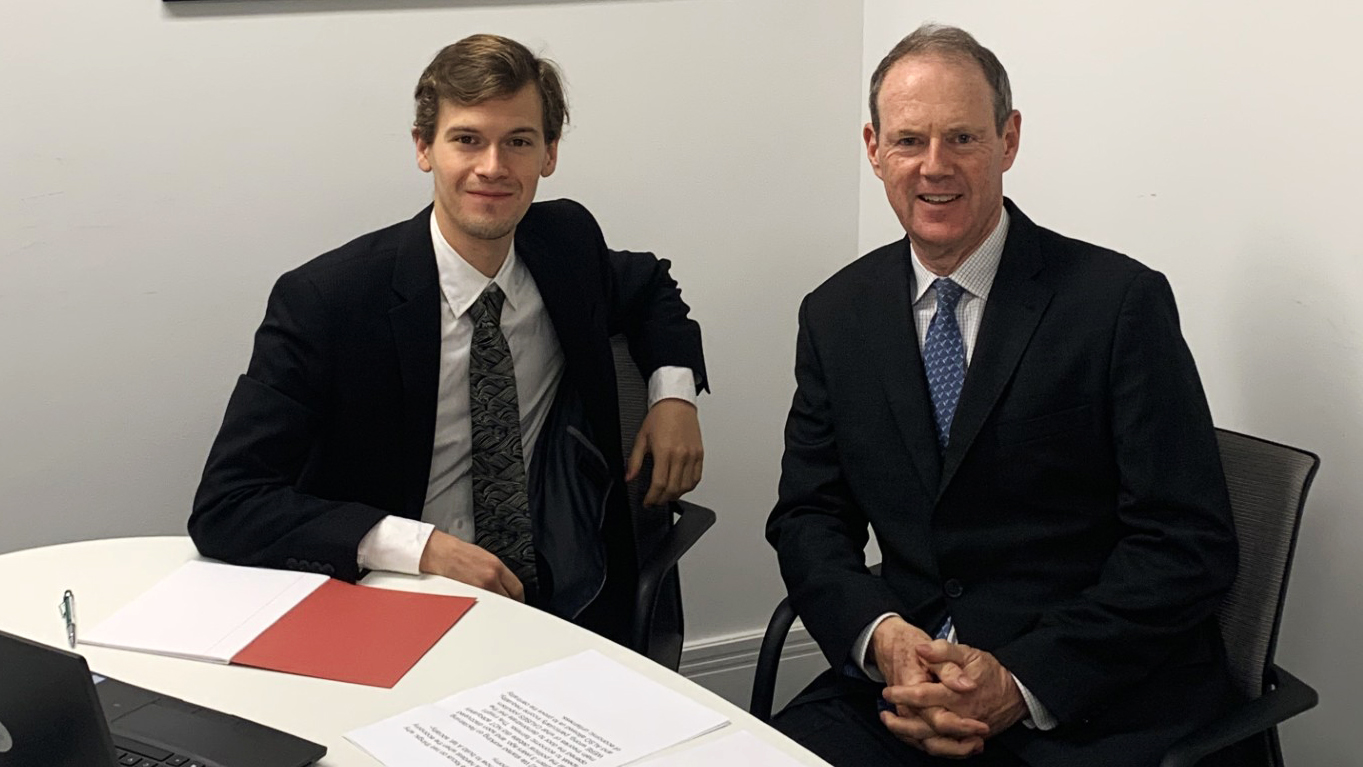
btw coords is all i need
(488, 229)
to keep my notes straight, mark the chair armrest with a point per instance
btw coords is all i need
(773, 641)
(1289, 697)
(769, 657)
(688, 529)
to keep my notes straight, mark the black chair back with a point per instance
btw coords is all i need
(651, 523)
(1268, 483)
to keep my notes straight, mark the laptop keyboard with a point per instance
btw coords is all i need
(132, 753)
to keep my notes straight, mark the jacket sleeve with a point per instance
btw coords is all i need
(1175, 555)
(645, 304)
(817, 528)
(247, 510)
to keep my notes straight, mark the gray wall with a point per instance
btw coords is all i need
(1219, 143)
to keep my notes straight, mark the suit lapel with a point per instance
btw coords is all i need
(556, 267)
(1015, 306)
(415, 322)
(890, 328)
(556, 285)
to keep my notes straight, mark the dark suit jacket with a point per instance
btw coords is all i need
(1078, 525)
(332, 426)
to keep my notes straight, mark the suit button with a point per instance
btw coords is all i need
(953, 588)
(291, 563)
(328, 570)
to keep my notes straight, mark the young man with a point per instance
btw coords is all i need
(439, 396)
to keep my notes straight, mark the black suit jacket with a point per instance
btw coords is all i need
(332, 426)
(1078, 525)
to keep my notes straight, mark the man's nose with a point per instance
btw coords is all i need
(491, 164)
(935, 160)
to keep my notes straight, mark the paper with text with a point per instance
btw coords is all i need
(583, 710)
(738, 748)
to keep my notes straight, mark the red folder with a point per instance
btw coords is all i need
(359, 634)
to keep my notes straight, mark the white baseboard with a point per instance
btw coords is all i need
(725, 665)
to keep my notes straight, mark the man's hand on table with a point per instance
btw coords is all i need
(465, 562)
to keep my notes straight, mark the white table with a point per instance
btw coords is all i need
(498, 636)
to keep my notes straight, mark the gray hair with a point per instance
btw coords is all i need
(950, 42)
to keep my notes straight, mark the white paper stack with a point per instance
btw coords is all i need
(736, 748)
(583, 710)
(204, 611)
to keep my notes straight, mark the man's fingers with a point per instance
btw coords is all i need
(921, 695)
(636, 456)
(949, 723)
(914, 731)
(939, 652)
(942, 651)
(951, 748)
(907, 727)
(678, 471)
(697, 469)
(657, 488)
(511, 583)
(909, 673)
(953, 676)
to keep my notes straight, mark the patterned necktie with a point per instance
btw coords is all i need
(501, 508)
(944, 358)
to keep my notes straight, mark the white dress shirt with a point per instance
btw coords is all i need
(976, 275)
(396, 543)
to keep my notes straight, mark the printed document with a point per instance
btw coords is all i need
(582, 710)
(738, 748)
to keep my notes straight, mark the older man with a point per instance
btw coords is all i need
(1016, 415)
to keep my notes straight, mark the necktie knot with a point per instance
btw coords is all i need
(948, 294)
(488, 307)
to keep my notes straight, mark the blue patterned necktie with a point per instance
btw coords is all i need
(501, 508)
(944, 358)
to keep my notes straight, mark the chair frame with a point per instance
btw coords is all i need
(688, 521)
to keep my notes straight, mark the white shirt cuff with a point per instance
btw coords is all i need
(1040, 718)
(395, 544)
(860, 650)
(670, 382)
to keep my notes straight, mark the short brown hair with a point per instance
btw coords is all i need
(483, 67)
(950, 42)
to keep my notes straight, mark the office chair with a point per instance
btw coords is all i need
(662, 534)
(1268, 483)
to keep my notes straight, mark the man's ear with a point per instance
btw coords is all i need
(868, 134)
(422, 150)
(550, 159)
(1012, 138)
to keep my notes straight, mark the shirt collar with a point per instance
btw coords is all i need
(462, 284)
(975, 273)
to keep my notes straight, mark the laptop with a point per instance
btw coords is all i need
(55, 713)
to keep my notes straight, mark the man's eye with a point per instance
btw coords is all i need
(520, 142)
(963, 138)
(909, 141)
